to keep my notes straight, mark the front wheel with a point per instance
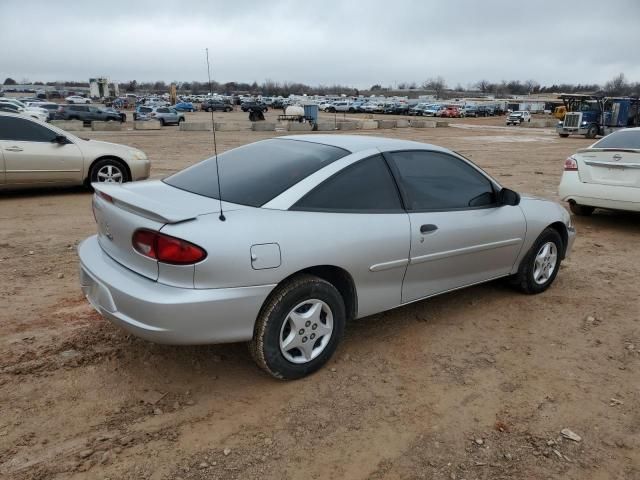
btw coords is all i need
(109, 170)
(298, 328)
(591, 132)
(563, 135)
(540, 266)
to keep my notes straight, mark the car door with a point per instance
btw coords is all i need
(459, 234)
(175, 115)
(32, 156)
(95, 114)
(355, 220)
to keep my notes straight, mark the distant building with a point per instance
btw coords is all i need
(101, 87)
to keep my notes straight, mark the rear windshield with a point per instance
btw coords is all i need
(256, 173)
(621, 139)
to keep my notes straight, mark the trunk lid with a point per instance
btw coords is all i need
(609, 166)
(120, 210)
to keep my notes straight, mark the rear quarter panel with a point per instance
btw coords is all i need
(354, 242)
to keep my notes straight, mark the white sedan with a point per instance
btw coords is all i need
(27, 110)
(77, 99)
(605, 175)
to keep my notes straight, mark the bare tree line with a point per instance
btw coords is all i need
(619, 85)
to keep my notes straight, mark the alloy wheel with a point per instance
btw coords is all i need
(545, 263)
(306, 331)
(110, 174)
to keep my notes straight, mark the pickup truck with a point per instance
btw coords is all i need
(518, 117)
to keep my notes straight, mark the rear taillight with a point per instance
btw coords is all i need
(570, 164)
(166, 249)
(105, 196)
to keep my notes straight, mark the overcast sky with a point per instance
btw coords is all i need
(356, 43)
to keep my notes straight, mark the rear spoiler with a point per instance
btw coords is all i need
(141, 205)
(628, 150)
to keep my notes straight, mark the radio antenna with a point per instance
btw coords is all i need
(215, 146)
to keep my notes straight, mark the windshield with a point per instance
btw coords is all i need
(256, 173)
(620, 139)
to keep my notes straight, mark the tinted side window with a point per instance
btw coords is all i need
(438, 181)
(163, 110)
(366, 186)
(22, 130)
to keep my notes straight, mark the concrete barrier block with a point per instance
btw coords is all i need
(423, 124)
(196, 126)
(106, 126)
(298, 127)
(368, 116)
(369, 124)
(263, 126)
(441, 123)
(68, 125)
(540, 124)
(348, 125)
(147, 125)
(402, 123)
(387, 123)
(325, 127)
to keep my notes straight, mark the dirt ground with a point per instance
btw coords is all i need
(475, 384)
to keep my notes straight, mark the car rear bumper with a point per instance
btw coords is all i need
(162, 313)
(614, 197)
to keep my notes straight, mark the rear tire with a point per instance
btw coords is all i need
(285, 320)
(581, 210)
(538, 269)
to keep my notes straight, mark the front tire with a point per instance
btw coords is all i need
(298, 328)
(581, 210)
(109, 170)
(563, 135)
(540, 266)
(591, 132)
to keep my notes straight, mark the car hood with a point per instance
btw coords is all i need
(97, 147)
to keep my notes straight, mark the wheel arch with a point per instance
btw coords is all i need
(561, 228)
(87, 178)
(339, 278)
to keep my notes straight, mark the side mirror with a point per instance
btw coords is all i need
(508, 197)
(61, 140)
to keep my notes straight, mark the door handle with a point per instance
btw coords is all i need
(428, 228)
(13, 149)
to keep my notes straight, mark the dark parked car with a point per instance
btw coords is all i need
(397, 109)
(87, 113)
(52, 108)
(484, 111)
(246, 106)
(215, 105)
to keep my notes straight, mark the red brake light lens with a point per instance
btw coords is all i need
(167, 249)
(570, 164)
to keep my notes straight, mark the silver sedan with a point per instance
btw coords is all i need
(298, 235)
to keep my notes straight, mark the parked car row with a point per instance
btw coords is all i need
(402, 108)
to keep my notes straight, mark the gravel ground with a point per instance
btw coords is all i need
(475, 384)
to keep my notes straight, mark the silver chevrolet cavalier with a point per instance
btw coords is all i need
(287, 239)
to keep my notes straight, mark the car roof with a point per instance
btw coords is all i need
(357, 143)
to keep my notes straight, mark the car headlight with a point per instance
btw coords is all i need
(137, 155)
